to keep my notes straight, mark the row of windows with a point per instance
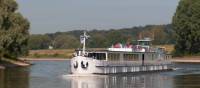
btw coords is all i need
(126, 57)
(116, 56)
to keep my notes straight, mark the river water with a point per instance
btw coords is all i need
(55, 74)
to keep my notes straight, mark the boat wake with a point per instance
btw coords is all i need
(177, 69)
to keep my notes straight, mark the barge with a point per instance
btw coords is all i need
(120, 59)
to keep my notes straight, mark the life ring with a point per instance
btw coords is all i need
(84, 66)
(76, 65)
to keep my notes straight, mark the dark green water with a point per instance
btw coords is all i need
(52, 74)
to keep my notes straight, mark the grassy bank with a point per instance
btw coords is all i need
(186, 59)
(62, 53)
(68, 53)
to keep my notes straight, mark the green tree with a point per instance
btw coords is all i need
(13, 30)
(66, 42)
(96, 41)
(115, 36)
(186, 24)
(39, 42)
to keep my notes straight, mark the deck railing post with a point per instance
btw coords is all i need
(142, 59)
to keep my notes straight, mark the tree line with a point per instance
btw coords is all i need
(161, 34)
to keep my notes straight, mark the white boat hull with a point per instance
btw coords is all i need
(84, 65)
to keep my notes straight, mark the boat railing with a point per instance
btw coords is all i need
(129, 63)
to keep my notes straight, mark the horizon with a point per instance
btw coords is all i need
(67, 15)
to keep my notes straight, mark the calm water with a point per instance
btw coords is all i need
(52, 74)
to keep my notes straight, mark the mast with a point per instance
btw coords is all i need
(83, 41)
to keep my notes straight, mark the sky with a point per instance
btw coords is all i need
(49, 16)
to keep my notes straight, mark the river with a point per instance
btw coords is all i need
(55, 74)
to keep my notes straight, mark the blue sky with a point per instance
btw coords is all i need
(49, 16)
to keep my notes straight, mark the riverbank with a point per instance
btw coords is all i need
(4, 63)
(55, 53)
(186, 59)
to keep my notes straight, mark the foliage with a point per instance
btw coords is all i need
(186, 26)
(13, 30)
(39, 42)
(65, 42)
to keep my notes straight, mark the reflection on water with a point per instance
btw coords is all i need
(87, 82)
(49, 74)
(138, 81)
(14, 78)
(187, 81)
(1, 79)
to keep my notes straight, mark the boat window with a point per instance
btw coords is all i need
(113, 56)
(131, 57)
(98, 56)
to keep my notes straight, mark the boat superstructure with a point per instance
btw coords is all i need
(120, 59)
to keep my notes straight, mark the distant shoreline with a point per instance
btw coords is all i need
(55, 53)
(186, 59)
